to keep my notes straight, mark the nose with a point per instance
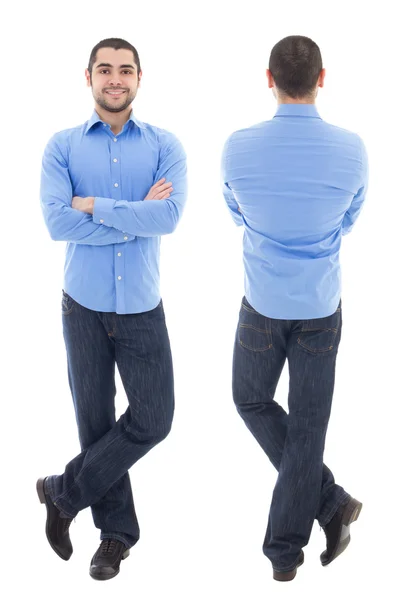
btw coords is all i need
(115, 81)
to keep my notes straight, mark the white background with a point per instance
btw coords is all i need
(202, 496)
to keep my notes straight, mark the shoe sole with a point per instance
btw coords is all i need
(43, 500)
(106, 577)
(288, 575)
(350, 515)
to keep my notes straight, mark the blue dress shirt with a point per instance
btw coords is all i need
(112, 256)
(299, 183)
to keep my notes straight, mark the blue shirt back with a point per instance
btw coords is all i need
(112, 256)
(296, 184)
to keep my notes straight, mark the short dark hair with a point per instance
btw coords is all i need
(295, 64)
(117, 44)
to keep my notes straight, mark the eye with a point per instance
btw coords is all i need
(129, 72)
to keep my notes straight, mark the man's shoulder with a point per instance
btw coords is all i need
(62, 136)
(163, 138)
(343, 133)
(161, 134)
(251, 129)
(240, 136)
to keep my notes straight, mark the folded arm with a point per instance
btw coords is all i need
(354, 210)
(64, 222)
(229, 196)
(150, 218)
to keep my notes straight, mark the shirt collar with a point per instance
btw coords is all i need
(95, 118)
(297, 110)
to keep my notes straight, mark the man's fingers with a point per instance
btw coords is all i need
(159, 193)
(160, 188)
(162, 196)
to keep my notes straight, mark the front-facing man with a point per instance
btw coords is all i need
(110, 188)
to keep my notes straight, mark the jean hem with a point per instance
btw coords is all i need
(289, 568)
(342, 499)
(65, 511)
(116, 536)
(64, 508)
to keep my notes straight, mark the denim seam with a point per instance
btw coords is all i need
(263, 349)
(314, 350)
(265, 332)
(65, 512)
(335, 508)
(250, 310)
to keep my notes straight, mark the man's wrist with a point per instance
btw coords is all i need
(90, 205)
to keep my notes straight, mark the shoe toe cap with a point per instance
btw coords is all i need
(102, 571)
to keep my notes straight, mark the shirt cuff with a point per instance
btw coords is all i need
(103, 211)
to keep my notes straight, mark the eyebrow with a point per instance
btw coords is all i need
(121, 66)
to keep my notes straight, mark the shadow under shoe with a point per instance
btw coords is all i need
(105, 563)
(337, 531)
(57, 527)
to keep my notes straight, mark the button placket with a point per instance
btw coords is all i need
(115, 158)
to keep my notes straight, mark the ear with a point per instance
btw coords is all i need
(87, 75)
(271, 82)
(321, 79)
(140, 78)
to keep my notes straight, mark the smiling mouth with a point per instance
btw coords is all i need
(116, 94)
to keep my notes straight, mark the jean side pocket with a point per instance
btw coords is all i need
(67, 304)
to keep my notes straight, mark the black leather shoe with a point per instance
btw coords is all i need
(105, 563)
(289, 575)
(337, 531)
(57, 527)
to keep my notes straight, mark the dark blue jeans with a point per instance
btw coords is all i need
(294, 442)
(98, 477)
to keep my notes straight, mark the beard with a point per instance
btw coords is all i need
(113, 106)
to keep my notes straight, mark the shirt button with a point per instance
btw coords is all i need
(101, 220)
(115, 159)
(119, 277)
(115, 184)
(119, 253)
(104, 124)
(115, 140)
(125, 237)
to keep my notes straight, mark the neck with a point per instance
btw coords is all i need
(116, 120)
(288, 100)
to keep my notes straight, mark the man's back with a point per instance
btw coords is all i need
(299, 183)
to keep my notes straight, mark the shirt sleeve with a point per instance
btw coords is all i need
(64, 222)
(150, 218)
(354, 210)
(226, 190)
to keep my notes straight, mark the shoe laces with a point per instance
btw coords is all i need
(108, 546)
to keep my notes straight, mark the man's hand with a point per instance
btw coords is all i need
(83, 204)
(160, 190)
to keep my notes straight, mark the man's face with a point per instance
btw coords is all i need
(115, 79)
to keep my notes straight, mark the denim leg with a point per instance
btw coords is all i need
(258, 359)
(312, 350)
(259, 356)
(91, 374)
(144, 360)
